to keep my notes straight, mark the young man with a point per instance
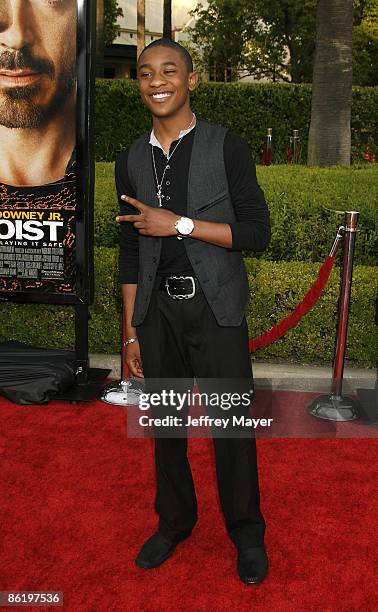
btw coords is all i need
(192, 204)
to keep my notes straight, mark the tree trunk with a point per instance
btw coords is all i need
(141, 26)
(100, 38)
(167, 19)
(329, 140)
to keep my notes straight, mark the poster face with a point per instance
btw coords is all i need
(37, 149)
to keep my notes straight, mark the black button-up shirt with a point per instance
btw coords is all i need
(251, 231)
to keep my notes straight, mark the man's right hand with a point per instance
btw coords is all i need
(133, 359)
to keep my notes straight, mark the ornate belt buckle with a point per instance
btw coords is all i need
(186, 296)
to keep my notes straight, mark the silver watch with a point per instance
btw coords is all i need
(184, 227)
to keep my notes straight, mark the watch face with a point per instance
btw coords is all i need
(185, 226)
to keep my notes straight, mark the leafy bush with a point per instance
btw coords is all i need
(247, 108)
(302, 203)
(276, 289)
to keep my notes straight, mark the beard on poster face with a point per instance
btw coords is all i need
(32, 103)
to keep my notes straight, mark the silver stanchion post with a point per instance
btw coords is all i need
(124, 392)
(338, 407)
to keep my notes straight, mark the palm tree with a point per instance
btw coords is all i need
(330, 134)
(167, 19)
(141, 26)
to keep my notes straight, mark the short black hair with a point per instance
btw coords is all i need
(167, 42)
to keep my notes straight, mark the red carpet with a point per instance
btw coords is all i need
(75, 506)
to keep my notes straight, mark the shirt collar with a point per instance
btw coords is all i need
(155, 143)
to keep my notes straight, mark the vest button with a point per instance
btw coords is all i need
(150, 277)
(198, 261)
(154, 259)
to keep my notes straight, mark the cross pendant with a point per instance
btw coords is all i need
(160, 197)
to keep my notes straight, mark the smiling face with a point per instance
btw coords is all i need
(37, 60)
(165, 81)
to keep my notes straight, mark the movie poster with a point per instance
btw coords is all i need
(37, 149)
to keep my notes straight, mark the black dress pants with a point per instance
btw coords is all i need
(182, 339)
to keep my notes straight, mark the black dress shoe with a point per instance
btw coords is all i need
(155, 551)
(252, 564)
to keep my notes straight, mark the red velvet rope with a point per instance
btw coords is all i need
(303, 307)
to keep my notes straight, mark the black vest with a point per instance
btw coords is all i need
(221, 272)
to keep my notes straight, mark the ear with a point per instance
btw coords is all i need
(192, 80)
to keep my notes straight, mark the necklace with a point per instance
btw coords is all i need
(159, 194)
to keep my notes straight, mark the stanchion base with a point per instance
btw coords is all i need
(334, 408)
(122, 393)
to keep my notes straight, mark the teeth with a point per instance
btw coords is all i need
(161, 95)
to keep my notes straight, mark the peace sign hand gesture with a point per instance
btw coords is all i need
(150, 221)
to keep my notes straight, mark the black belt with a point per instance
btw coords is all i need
(179, 287)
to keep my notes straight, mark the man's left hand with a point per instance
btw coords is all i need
(151, 221)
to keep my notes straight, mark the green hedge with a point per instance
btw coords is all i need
(302, 203)
(247, 108)
(276, 289)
